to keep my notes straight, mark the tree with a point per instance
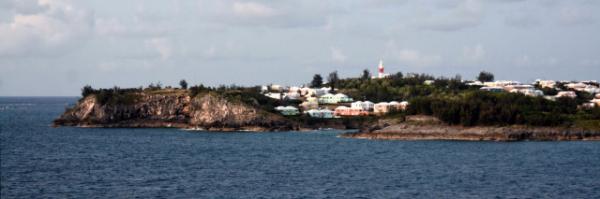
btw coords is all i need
(365, 75)
(183, 84)
(87, 90)
(333, 79)
(485, 76)
(317, 81)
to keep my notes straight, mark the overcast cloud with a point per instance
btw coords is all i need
(54, 47)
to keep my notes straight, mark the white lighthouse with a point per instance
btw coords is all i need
(380, 71)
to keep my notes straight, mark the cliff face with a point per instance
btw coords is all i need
(208, 111)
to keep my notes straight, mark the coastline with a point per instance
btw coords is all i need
(407, 131)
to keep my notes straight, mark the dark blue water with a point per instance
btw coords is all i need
(40, 161)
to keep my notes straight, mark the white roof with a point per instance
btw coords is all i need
(340, 95)
(341, 107)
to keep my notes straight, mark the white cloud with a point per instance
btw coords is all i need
(252, 9)
(115, 27)
(468, 13)
(162, 45)
(416, 58)
(337, 55)
(55, 28)
(474, 54)
(575, 15)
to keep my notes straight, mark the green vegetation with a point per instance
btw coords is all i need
(485, 108)
(333, 80)
(183, 84)
(485, 76)
(113, 95)
(398, 88)
(317, 81)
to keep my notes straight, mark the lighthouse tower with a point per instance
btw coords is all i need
(380, 69)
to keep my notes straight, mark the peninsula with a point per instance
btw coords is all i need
(457, 109)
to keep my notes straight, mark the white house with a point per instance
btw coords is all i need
(323, 113)
(334, 99)
(495, 89)
(287, 110)
(310, 103)
(546, 83)
(475, 83)
(385, 107)
(366, 105)
(595, 101)
(502, 83)
(277, 96)
(529, 92)
(570, 94)
(525, 89)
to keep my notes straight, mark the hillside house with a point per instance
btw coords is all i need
(349, 111)
(334, 99)
(287, 110)
(494, 89)
(323, 113)
(366, 105)
(570, 94)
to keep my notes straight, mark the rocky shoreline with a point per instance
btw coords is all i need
(207, 112)
(407, 131)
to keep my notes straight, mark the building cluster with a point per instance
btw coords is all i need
(325, 103)
(322, 103)
(563, 88)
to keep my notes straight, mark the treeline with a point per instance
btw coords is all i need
(113, 95)
(398, 87)
(486, 108)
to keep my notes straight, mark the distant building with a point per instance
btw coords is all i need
(529, 92)
(502, 83)
(292, 95)
(310, 103)
(324, 113)
(349, 111)
(494, 89)
(380, 71)
(546, 83)
(570, 94)
(366, 105)
(429, 82)
(276, 87)
(525, 89)
(386, 107)
(334, 99)
(287, 110)
(595, 101)
(276, 96)
(474, 83)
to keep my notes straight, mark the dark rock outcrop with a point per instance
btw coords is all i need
(208, 111)
(409, 131)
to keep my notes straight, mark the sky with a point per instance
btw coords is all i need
(55, 47)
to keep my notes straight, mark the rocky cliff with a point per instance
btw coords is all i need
(208, 111)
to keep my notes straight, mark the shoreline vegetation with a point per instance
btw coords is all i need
(448, 108)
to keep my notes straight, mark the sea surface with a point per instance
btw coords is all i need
(38, 161)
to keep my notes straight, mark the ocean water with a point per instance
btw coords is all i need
(38, 161)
